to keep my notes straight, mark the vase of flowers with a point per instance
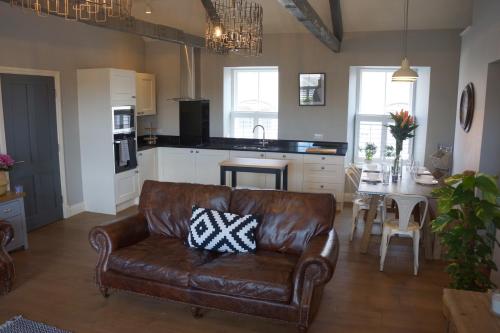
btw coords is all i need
(404, 128)
(6, 164)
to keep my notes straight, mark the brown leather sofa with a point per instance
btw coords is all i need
(297, 249)
(6, 265)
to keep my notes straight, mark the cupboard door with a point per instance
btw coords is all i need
(147, 161)
(295, 171)
(146, 94)
(177, 165)
(251, 180)
(207, 165)
(123, 87)
(126, 186)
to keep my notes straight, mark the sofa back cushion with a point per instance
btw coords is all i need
(287, 220)
(168, 206)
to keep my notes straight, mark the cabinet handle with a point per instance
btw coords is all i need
(322, 168)
(140, 154)
(323, 158)
(261, 155)
(136, 171)
(133, 96)
(7, 210)
(191, 151)
(197, 152)
(322, 186)
(284, 156)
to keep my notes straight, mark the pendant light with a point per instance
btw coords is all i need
(405, 73)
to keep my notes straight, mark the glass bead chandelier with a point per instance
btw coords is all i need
(81, 10)
(236, 28)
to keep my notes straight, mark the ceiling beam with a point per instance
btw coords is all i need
(145, 29)
(336, 12)
(303, 12)
(211, 11)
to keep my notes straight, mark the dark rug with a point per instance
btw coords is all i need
(22, 325)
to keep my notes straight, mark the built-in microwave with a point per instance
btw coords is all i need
(123, 119)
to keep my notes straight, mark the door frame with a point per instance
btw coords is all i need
(60, 137)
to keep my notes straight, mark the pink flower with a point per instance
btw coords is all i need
(6, 162)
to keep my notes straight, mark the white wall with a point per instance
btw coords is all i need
(295, 53)
(480, 48)
(52, 43)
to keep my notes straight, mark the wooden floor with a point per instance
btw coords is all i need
(55, 285)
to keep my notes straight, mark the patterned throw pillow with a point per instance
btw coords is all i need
(222, 232)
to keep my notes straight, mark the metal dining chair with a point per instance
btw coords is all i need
(404, 225)
(360, 204)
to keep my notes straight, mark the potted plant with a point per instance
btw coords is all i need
(404, 128)
(370, 150)
(389, 152)
(6, 164)
(468, 218)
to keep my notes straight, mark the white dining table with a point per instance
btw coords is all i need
(406, 185)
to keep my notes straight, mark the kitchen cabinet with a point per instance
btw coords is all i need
(123, 88)
(148, 166)
(146, 94)
(295, 170)
(126, 186)
(251, 180)
(191, 165)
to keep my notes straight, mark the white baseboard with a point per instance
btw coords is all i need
(72, 210)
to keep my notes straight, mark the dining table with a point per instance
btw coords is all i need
(407, 183)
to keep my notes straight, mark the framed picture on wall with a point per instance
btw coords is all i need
(312, 89)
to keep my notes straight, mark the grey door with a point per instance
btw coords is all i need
(31, 135)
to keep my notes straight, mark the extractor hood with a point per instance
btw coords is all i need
(189, 84)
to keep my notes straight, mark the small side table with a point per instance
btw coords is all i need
(255, 165)
(12, 212)
(469, 312)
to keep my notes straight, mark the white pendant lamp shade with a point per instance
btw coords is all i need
(405, 73)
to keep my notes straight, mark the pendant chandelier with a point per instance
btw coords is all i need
(81, 10)
(236, 28)
(405, 73)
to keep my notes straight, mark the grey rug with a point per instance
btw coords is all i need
(22, 325)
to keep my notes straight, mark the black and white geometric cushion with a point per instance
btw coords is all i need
(222, 232)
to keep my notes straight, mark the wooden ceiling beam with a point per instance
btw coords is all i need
(303, 12)
(336, 13)
(146, 29)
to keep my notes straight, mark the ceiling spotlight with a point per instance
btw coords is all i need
(148, 10)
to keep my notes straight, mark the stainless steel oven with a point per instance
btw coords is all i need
(123, 119)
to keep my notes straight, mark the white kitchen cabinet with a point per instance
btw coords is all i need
(245, 179)
(148, 166)
(146, 94)
(126, 186)
(123, 89)
(207, 165)
(176, 165)
(295, 170)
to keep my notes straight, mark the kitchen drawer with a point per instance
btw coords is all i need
(285, 156)
(322, 187)
(324, 159)
(323, 173)
(10, 209)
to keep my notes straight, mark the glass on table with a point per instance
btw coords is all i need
(386, 173)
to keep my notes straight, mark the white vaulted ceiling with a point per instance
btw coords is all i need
(358, 15)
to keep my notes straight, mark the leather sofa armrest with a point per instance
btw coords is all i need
(122, 233)
(315, 266)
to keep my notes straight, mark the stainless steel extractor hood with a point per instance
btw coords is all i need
(190, 87)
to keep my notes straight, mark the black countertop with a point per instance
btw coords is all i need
(274, 146)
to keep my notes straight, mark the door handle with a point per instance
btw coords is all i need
(18, 162)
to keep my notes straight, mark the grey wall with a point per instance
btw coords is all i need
(293, 53)
(55, 44)
(480, 48)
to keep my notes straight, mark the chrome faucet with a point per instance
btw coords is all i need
(263, 142)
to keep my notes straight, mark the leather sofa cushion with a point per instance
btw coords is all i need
(287, 220)
(167, 206)
(262, 275)
(161, 259)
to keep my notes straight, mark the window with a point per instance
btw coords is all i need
(253, 101)
(377, 96)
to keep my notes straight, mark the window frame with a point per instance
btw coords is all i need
(233, 114)
(384, 119)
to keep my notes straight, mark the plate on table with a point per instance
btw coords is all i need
(425, 181)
